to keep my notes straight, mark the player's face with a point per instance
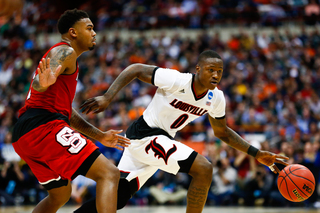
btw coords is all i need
(210, 72)
(86, 34)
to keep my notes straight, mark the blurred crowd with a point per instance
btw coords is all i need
(271, 84)
(42, 15)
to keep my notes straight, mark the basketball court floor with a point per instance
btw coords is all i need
(173, 209)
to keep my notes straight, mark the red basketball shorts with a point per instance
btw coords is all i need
(56, 153)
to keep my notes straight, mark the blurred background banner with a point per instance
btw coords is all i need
(271, 81)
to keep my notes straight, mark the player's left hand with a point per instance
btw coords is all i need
(47, 77)
(268, 159)
(112, 139)
(95, 105)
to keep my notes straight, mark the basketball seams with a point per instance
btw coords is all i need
(287, 188)
(281, 180)
(291, 172)
(284, 177)
(302, 178)
(295, 183)
(296, 169)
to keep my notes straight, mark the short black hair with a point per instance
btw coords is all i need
(69, 18)
(208, 54)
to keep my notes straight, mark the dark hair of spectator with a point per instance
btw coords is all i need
(69, 18)
(208, 54)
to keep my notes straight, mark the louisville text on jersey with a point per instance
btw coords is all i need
(188, 107)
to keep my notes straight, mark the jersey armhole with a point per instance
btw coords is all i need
(153, 75)
(220, 117)
(74, 71)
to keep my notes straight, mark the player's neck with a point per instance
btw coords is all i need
(72, 44)
(199, 89)
(66, 41)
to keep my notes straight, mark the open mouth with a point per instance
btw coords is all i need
(214, 82)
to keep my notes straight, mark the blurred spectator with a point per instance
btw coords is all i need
(311, 160)
(198, 132)
(258, 187)
(271, 14)
(287, 150)
(82, 189)
(245, 167)
(169, 189)
(144, 98)
(312, 13)
(11, 158)
(6, 72)
(223, 183)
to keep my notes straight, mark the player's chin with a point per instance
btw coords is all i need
(212, 86)
(92, 47)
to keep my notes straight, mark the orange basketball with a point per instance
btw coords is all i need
(296, 183)
(8, 7)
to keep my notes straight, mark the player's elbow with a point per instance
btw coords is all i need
(134, 70)
(136, 67)
(143, 72)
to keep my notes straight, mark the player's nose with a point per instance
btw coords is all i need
(215, 74)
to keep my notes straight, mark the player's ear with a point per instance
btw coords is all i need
(197, 68)
(73, 32)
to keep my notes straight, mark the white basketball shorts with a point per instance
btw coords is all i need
(145, 156)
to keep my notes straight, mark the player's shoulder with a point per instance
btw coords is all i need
(170, 70)
(63, 52)
(173, 74)
(217, 93)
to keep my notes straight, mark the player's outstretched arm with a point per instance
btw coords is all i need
(58, 60)
(223, 132)
(109, 138)
(45, 76)
(98, 104)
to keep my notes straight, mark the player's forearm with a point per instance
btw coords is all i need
(81, 125)
(36, 85)
(234, 140)
(141, 71)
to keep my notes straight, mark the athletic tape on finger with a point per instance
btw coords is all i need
(271, 167)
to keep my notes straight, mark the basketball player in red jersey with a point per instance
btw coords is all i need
(180, 98)
(46, 135)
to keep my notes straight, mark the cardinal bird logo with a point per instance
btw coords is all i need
(159, 150)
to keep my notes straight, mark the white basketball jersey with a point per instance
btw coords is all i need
(176, 104)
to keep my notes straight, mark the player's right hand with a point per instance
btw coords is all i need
(268, 159)
(95, 105)
(46, 76)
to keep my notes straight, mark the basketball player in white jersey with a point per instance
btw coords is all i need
(179, 99)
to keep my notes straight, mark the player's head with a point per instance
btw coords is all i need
(76, 25)
(209, 69)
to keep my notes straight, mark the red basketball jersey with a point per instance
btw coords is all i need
(58, 97)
